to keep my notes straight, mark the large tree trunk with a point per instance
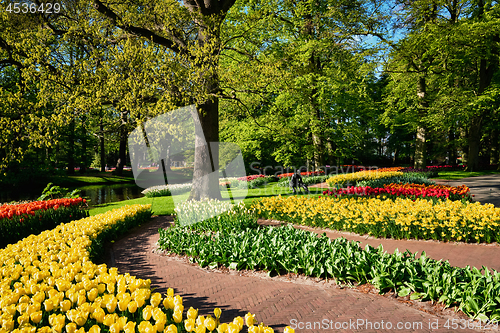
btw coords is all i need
(494, 146)
(452, 149)
(71, 148)
(83, 155)
(123, 144)
(206, 155)
(474, 143)
(420, 146)
(101, 147)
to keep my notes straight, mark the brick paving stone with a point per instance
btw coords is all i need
(276, 302)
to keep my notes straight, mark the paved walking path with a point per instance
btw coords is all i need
(279, 302)
(486, 189)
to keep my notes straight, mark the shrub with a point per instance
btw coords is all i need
(285, 182)
(405, 178)
(166, 190)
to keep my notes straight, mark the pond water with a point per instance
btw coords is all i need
(97, 194)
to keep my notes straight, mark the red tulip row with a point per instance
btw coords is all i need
(407, 190)
(308, 173)
(252, 177)
(22, 220)
(8, 211)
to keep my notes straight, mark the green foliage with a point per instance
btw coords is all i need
(301, 82)
(52, 191)
(255, 183)
(286, 249)
(410, 178)
(310, 180)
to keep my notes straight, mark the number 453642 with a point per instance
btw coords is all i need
(24, 8)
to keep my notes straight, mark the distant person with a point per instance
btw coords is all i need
(296, 182)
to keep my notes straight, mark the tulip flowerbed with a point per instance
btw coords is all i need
(354, 178)
(192, 211)
(166, 190)
(223, 241)
(19, 221)
(308, 180)
(308, 173)
(398, 219)
(253, 181)
(48, 283)
(410, 191)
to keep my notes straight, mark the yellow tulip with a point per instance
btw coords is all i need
(189, 324)
(171, 329)
(71, 328)
(170, 292)
(8, 324)
(23, 319)
(98, 315)
(201, 329)
(222, 328)
(101, 288)
(146, 327)
(155, 299)
(122, 321)
(65, 305)
(192, 313)
(80, 318)
(109, 319)
(238, 321)
(92, 294)
(253, 329)
(177, 317)
(132, 306)
(288, 329)
(217, 312)
(129, 327)
(177, 300)
(168, 302)
(233, 328)
(95, 329)
(36, 317)
(209, 323)
(115, 328)
(200, 320)
(250, 319)
(147, 312)
(159, 315)
(111, 304)
(123, 303)
(268, 330)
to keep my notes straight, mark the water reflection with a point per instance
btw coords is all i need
(99, 194)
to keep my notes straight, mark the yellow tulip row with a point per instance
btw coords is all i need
(359, 176)
(402, 218)
(49, 284)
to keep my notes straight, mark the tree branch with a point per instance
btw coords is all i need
(174, 44)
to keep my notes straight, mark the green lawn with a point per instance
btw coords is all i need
(93, 178)
(165, 205)
(456, 175)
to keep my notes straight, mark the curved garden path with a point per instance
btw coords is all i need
(278, 301)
